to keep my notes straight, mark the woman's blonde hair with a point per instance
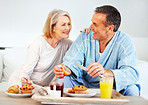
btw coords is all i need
(51, 21)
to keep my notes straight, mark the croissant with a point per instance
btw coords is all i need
(13, 89)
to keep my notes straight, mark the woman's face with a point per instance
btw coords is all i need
(62, 28)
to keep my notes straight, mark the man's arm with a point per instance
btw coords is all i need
(126, 72)
(76, 54)
(96, 69)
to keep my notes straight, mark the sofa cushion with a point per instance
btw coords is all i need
(4, 86)
(143, 71)
(13, 59)
(1, 65)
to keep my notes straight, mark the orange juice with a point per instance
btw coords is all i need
(106, 86)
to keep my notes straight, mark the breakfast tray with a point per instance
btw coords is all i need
(117, 98)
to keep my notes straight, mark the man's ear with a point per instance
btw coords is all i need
(111, 28)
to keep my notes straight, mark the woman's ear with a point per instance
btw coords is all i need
(53, 29)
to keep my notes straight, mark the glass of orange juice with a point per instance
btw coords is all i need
(106, 86)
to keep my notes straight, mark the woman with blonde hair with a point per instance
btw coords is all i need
(45, 51)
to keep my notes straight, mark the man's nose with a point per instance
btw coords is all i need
(91, 27)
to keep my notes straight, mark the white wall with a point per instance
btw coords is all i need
(22, 20)
(141, 44)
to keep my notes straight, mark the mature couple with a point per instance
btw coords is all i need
(103, 49)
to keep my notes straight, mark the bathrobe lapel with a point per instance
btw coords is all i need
(108, 50)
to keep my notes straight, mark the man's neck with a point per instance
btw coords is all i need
(107, 40)
(104, 43)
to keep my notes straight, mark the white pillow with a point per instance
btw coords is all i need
(13, 59)
(3, 86)
(143, 71)
(1, 65)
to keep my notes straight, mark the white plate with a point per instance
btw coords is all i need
(92, 93)
(18, 95)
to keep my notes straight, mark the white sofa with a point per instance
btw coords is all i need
(12, 58)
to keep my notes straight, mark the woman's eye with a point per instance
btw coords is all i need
(63, 24)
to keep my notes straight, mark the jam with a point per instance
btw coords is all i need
(59, 86)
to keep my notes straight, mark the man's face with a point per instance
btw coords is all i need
(100, 32)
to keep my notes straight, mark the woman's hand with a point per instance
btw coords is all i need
(95, 69)
(87, 30)
(25, 81)
(61, 70)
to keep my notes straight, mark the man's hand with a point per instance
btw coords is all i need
(96, 69)
(61, 70)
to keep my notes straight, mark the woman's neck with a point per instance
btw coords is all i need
(52, 41)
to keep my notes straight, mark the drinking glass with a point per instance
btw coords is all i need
(106, 86)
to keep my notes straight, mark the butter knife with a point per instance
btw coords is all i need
(82, 67)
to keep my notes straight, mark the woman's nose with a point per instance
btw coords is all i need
(68, 27)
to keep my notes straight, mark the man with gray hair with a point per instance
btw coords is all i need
(104, 51)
